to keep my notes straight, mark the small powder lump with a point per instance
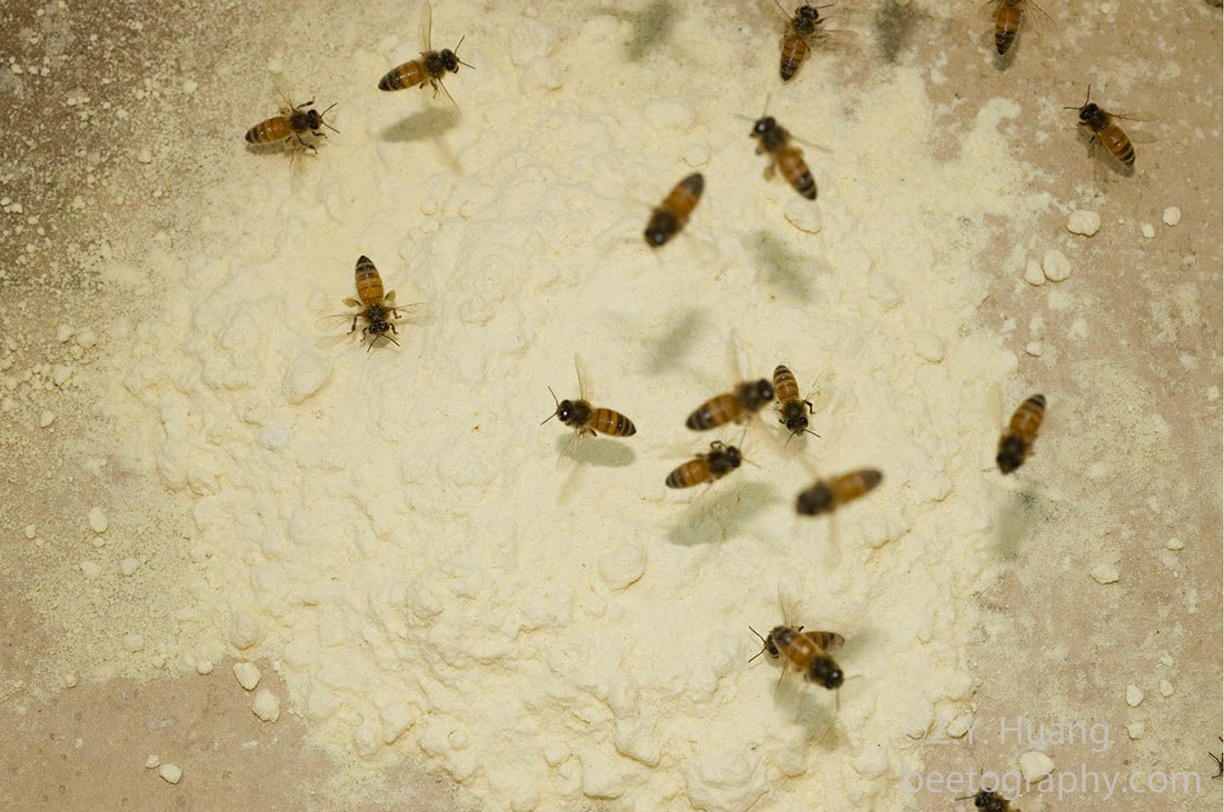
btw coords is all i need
(1087, 223)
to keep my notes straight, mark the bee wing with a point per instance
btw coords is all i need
(787, 603)
(332, 321)
(414, 313)
(584, 389)
(426, 25)
(828, 642)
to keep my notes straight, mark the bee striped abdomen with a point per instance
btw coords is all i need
(714, 412)
(266, 132)
(794, 51)
(369, 283)
(795, 170)
(1007, 25)
(785, 385)
(607, 421)
(409, 74)
(1118, 144)
(691, 473)
(825, 496)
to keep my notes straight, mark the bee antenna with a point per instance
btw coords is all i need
(554, 414)
(456, 53)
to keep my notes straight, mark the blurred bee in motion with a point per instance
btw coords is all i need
(748, 398)
(671, 216)
(1017, 440)
(773, 139)
(990, 801)
(1008, 14)
(586, 419)
(810, 653)
(797, 41)
(430, 68)
(793, 411)
(722, 460)
(826, 495)
(296, 121)
(1100, 124)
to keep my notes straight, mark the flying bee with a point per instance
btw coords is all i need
(586, 419)
(990, 801)
(1017, 440)
(667, 220)
(1008, 14)
(772, 138)
(295, 121)
(793, 412)
(810, 653)
(797, 41)
(722, 460)
(748, 398)
(430, 68)
(826, 495)
(1100, 124)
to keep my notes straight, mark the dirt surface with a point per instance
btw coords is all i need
(1056, 645)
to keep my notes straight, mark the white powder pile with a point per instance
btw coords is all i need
(390, 528)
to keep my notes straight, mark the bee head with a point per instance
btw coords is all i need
(797, 421)
(763, 125)
(565, 410)
(733, 456)
(808, 14)
(662, 225)
(825, 672)
(450, 61)
(1089, 112)
(764, 391)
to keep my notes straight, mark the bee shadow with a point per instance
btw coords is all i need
(425, 124)
(1022, 510)
(651, 29)
(894, 26)
(714, 518)
(668, 349)
(781, 267)
(600, 452)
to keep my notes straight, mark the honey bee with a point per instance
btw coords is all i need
(586, 419)
(796, 42)
(748, 398)
(792, 409)
(1007, 18)
(376, 308)
(1100, 123)
(430, 68)
(722, 460)
(1017, 441)
(990, 801)
(773, 139)
(826, 495)
(809, 652)
(295, 121)
(667, 220)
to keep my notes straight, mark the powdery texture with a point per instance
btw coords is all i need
(390, 528)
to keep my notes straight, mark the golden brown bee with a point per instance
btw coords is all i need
(667, 220)
(793, 411)
(990, 801)
(584, 418)
(809, 652)
(1017, 441)
(826, 495)
(722, 460)
(295, 121)
(773, 139)
(796, 42)
(748, 398)
(1100, 123)
(377, 309)
(1007, 18)
(430, 68)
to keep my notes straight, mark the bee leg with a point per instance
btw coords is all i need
(391, 324)
(809, 406)
(353, 329)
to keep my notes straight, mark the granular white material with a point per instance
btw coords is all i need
(390, 527)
